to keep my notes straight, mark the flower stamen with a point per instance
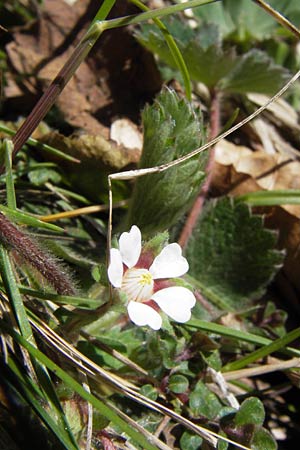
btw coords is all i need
(138, 284)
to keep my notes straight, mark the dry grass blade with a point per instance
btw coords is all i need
(124, 387)
(263, 369)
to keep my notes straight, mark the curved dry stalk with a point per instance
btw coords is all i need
(132, 174)
(91, 369)
(278, 17)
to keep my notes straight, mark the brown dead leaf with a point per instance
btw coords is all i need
(108, 84)
(124, 132)
(240, 170)
(99, 157)
(279, 113)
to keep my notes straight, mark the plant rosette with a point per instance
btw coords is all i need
(148, 281)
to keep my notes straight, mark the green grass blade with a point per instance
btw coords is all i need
(8, 147)
(76, 387)
(274, 346)
(104, 10)
(40, 145)
(176, 53)
(152, 14)
(27, 219)
(79, 302)
(272, 198)
(237, 334)
(33, 396)
(14, 295)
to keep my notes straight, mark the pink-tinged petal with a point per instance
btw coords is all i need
(115, 268)
(169, 263)
(130, 245)
(142, 314)
(176, 302)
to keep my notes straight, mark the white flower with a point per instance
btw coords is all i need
(145, 284)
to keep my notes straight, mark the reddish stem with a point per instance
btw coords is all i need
(198, 205)
(49, 97)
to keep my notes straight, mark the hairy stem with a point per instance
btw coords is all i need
(31, 252)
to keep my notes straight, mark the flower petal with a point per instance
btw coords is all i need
(169, 263)
(130, 245)
(115, 268)
(176, 301)
(142, 314)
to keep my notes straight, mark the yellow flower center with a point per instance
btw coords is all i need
(137, 285)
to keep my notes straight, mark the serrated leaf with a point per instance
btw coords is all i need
(214, 66)
(206, 61)
(254, 72)
(251, 411)
(231, 254)
(171, 129)
(153, 39)
(216, 14)
(243, 21)
(249, 19)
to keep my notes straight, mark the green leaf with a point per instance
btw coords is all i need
(201, 50)
(178, 384)
(41, 175)
(27, 219)
(149, 391)
(216, 14)
(263, 440)
(251, 411)
(231, 254)
(190, 441)
(243, 21)
(254, 72)
(270, 198)
(205, 58)
(105, 410)
(251, 22)
(171, 130)
(217, 67)
(203, 402)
